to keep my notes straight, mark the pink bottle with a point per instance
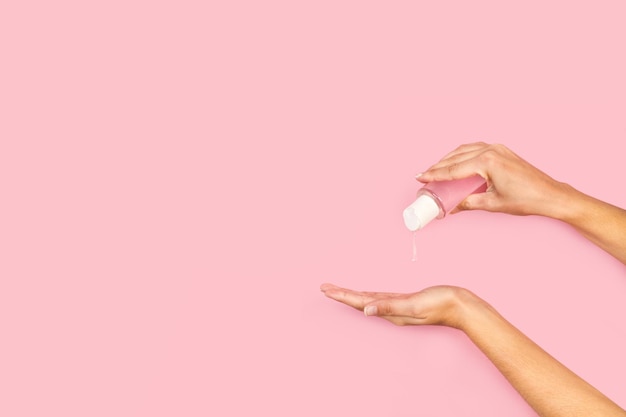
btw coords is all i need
(436, 199)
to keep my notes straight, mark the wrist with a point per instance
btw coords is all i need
(567, 205)
(554, 200)
(467, 307)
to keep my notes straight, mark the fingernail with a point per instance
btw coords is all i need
(370, 310)
(419, 174)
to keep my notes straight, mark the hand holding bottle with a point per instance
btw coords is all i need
(514, 185)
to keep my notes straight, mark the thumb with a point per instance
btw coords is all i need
(481, 201)
(389, 307)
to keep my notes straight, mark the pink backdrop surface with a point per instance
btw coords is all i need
(179, 177)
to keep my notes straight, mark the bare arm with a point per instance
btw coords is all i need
(550, 388)
(517, 187)
(600, 222)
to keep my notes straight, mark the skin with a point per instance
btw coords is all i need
(515, 187)
(550, 388)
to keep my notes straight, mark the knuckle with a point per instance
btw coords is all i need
(498, 147)
(490, 156)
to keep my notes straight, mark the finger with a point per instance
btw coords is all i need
(381, 294)
(487, 201)
(355, 299)
(474, 203)
(468, 147)
(455, 171)
(449, 163)
(328, 286)
(351, 298)
(390, 307)
(457, 158)
(461, 154)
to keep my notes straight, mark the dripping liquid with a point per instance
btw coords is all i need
(414, 258)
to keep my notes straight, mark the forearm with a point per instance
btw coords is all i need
(600, 222)
(549, 387)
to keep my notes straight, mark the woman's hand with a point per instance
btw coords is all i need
(514, 185)
(530, 369)
(440, 305)
(517, 187)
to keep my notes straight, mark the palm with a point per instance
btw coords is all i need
(434, 305)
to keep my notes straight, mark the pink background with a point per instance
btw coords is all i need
(179, 177)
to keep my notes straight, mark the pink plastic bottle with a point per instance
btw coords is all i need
(436, 199)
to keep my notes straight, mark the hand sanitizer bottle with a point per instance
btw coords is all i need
(436, 199)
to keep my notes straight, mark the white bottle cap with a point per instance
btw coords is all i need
(420, 213)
